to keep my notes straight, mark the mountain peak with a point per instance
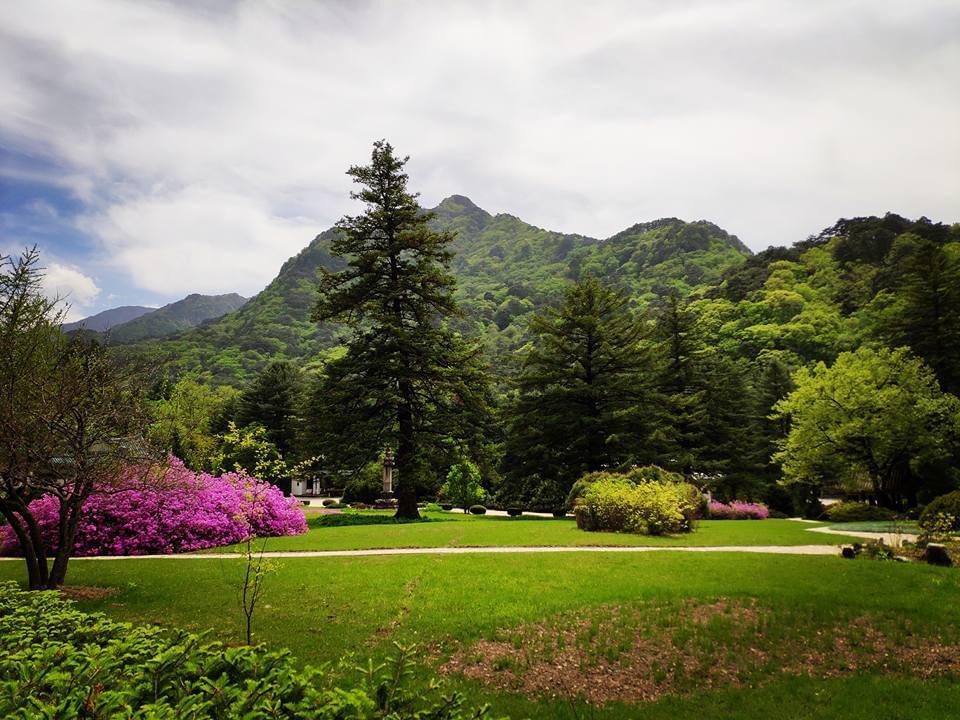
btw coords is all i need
(460, 213)
(459, 201)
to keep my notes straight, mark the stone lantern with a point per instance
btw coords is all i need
(388, 473)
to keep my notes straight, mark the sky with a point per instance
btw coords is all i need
(154, 149)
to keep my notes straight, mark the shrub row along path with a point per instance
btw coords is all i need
(772, 549)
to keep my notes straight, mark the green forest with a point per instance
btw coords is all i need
(534, 357)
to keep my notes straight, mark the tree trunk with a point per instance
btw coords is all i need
(407, 489)
(36, 561)
(69, 517)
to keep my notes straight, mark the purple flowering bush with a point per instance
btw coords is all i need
(738, 510)
(184, 511)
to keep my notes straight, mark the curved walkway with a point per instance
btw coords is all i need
(771, 549)
(892, 539)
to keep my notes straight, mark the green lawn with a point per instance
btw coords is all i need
(452, 529)
(771, 609)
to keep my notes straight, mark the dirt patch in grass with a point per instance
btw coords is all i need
(644, 652)
(85, 592)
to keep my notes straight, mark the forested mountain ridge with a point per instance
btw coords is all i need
(867, 280)
(191, 311)
(107, 319)
(505, 269)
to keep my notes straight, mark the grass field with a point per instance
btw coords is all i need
(453, 529)
(697, 635)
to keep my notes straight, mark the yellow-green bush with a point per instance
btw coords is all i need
(635, 475)
(648, 508)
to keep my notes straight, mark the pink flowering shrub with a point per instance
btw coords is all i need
(185, 511)
(738, 510)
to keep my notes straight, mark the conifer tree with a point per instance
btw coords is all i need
(926, 316)
(272, 401)
(406, 380)
(584, 399)
(681, 438)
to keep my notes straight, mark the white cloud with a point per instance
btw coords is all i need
(196, 240)
(210, 144)
(70, 285)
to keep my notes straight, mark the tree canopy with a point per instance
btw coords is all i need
(874, 416)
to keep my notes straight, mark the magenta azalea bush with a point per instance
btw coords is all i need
(183, 512)
(738, 510)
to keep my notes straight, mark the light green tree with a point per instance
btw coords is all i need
(874, 415)
(185, 423)
(463, 486)
(249, 450)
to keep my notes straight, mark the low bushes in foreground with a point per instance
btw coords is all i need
(737, 510)
(58, 662)
(181, 512)
(648, 508)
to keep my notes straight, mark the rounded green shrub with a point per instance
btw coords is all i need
(942, 513)
(446, 506)
(329, 502)
(478, 510)
(857, 512)
(514, 511)
(636, 475)
(649, 508)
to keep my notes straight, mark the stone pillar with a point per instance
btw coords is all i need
(388, 473)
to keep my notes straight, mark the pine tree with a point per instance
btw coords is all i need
(927, 315)
(406, 379)
(272, 401)
(584, 400)
(681, 438)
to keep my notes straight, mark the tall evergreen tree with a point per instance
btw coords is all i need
(272, 400)
(681, 438)
(926, 314)
(406, 379)
(584, 398)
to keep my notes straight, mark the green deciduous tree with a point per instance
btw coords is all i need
(463, 486)
(407, 379)
(249, 450)
(584, 399)
(186, 422)
(877, 415)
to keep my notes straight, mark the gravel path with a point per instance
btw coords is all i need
(771, 549)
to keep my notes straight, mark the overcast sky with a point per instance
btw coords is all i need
(155, 149)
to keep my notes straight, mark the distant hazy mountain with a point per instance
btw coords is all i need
(506, 270)
(109, 318)
(176, 317)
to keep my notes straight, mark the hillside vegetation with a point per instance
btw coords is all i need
(176, 317)
(506, 270)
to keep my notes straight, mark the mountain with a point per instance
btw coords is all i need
(506, 269)
(107, 319)
(176, 317)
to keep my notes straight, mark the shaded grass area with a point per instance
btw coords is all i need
(329, 608)
(453, 529)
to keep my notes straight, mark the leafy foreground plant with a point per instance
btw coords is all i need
(58, 662)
